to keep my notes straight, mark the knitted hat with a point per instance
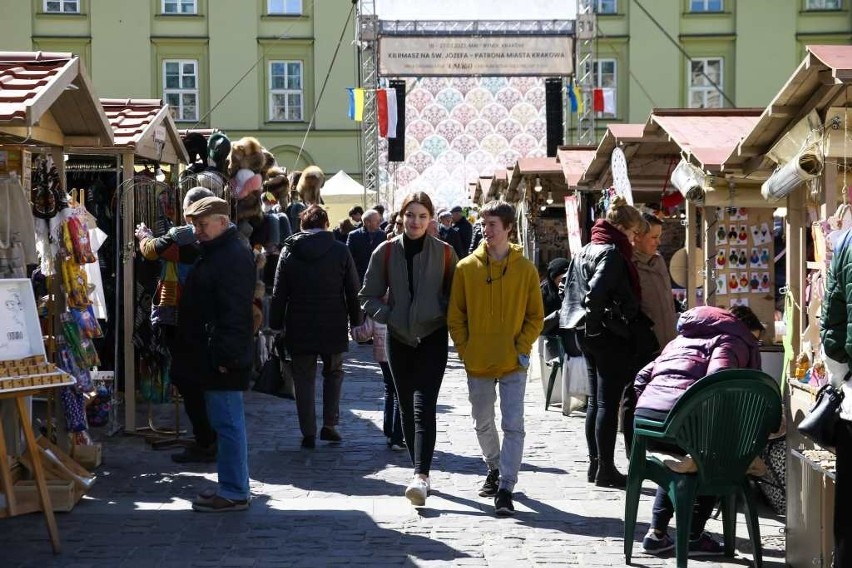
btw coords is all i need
(557, 266)
(244, 182)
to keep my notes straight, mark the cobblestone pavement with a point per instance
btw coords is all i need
(344, 505)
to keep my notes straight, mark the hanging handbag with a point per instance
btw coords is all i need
(276, 377)
(820, 424)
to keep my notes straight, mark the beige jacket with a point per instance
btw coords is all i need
(657, 301)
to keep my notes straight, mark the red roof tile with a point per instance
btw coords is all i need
(23, 77)
(131, 118)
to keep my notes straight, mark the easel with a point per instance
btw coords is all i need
(34, 455)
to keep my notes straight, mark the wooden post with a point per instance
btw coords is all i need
(126, 207)
(795, 231)
(689, 245)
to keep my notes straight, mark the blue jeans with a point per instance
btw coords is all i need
(225, 410)
(483, 396)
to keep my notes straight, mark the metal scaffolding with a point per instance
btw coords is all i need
(367, 33)
(584, 73)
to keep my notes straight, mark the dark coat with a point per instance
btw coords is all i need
(465, 230)
(315, 294)
(362, 244)
(216, 326)
(710, 339)
(836, 311)
(451, 236)
(476, 239)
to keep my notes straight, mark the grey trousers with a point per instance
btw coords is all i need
(483, 396)
(304, 383)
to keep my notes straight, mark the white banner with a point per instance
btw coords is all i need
(498, 56)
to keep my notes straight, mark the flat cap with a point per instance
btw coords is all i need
(456, 209)
(208, 206)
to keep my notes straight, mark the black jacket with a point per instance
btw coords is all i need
(362, 244)
(598, 296)
(451, 236)
(465, 230)
(216, 326)
(476, 238)
(315, 294)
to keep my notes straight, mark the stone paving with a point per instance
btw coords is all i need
(343, 505)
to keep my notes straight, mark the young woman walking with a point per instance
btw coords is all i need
(407, 287)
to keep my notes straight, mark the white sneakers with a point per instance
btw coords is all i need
(417, 491)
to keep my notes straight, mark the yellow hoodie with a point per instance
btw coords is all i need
(492, 323)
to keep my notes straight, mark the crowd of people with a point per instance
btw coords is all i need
(408, 285)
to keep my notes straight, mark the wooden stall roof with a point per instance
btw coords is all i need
(709, 137)
(574, 161)
(48, 97)
(531, 167)
(824, 77)
(615, 135)
(134, 122)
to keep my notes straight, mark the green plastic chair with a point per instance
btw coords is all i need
(723, 421)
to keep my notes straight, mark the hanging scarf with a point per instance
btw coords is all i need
(604, 233)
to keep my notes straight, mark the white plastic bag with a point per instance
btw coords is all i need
(575, 376)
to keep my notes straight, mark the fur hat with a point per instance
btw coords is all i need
(195, 146)
(309, 185)
(246, 153)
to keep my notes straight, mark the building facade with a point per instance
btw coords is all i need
(258, 68)
(747, 47)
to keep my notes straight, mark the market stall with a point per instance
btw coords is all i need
(801, 146)
(127, 183)
(48, 104)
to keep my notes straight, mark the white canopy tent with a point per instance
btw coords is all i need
(341, 192)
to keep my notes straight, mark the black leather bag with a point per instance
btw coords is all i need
(820, 424)
(276, 377)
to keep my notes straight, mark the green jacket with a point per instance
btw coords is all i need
(836, 320)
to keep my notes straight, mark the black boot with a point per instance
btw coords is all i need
(609, 476)
(593, 469)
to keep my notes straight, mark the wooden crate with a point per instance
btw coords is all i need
(90, 457)
(63, 495)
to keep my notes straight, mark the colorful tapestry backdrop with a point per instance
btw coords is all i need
(458, 129)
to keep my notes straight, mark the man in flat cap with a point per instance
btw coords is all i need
(216, 310)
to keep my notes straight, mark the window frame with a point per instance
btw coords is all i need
(706, 9)
(598, 75)
(179, 5)
(271, 91)
(61, 10)
(597, 7)
(690, 88)
(284, 12)
(180, 91)
(809, 8)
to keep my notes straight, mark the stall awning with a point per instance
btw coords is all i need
(143, 125)
(574, 162)
(824, 77)
(48, 98)
(710, 136)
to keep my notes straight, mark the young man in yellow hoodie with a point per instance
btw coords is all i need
(495, 314)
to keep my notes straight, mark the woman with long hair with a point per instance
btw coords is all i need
(602, 296)
(407, 287)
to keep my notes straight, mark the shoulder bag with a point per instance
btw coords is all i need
(821, 423)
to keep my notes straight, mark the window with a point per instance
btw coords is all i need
(284, 7)
(62, 6)
(285, 91)
(180, 88)
(703, 73)
(823, 4)
(603, 71)
(705, 5)
(180, 7)
(606, 6)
